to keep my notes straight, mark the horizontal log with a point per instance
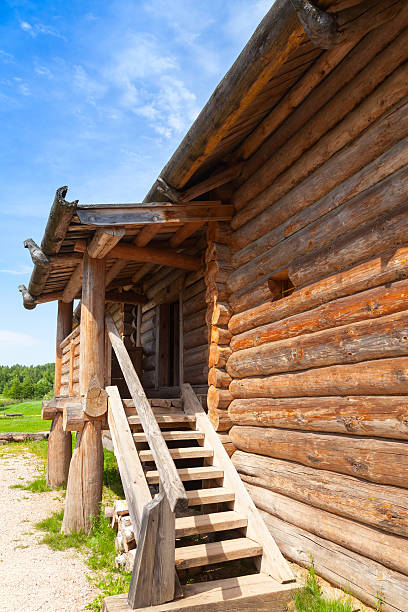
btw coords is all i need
(197, 319)
(375, 460)
(217, 271)
(217, 231)
(216, 292)
(103, 241)
(389, 550)
(380, 506)
(74, 417)
(363, 208)
(254, 293)
(218, 355)
(58, 222)
(216, 251)
(286, 201)
(362, 577)
(381, 416)
(219, 335)
(196, 355)
(308, 153)
(218, 398)
(198, 286)
(317, 74)
(378, 338)
(219, 378)
(369, 304)
(387, 232)
(386, 267)
(194, 304)
(363, 182)
(196, 374)
(167, 213)
(377, 377)
(218, 313)
(147, 325)
(196, 337)
(219, 419)
(165, 257)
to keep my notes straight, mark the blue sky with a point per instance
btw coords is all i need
(95, 95)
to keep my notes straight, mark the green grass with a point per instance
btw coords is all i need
(31, 422)
(311, 599)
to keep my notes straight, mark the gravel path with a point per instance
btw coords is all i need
(32, 576)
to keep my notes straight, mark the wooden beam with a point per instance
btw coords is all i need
(41, 267)
(184, 232)
(172, 194)
(320, 26)
(104, 240)
(73, 286)
(154, 212)
(145, 269)
(215, 180)
(59, 219)
(164, 257)
(146, 234)
(125, 297)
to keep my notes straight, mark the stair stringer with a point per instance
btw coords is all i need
(272, 561)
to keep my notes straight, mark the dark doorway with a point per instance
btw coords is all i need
(167, 345)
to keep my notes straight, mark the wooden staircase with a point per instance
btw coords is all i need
(201, 515)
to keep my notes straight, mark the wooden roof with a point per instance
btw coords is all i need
(259, 91)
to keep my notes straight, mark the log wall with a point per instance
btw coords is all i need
(70, 364)
(309, 358)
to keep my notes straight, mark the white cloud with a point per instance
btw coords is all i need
(40, 28)
(6, 58)
(244, 17)
(21, 270)
(8, 337)
(27, 27)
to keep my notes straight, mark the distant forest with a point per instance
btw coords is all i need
(26, 382)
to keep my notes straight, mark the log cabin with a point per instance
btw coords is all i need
(264, 278)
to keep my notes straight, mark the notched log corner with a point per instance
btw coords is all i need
(28, 300)
(320, 26)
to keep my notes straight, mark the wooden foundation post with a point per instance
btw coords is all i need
(84, 490)
(60, 441)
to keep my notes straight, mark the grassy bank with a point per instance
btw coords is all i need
(30, 422)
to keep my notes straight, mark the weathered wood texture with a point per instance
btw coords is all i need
(389, 550)
(380, 506)
(383, 337)
(377, 377)
(381, 416)
(364, 578)
(386, 267)
(375, 460)
(369, 304)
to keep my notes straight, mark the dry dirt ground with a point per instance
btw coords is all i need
(32, 576)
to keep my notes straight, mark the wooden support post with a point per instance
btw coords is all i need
(153, 573)
(84, 489)
(59, 442)
(181, 340)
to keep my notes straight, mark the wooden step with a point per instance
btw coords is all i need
(217, 495)
(173, 435)
(216, 552)
(256, 593)
(192, 452)
(193, 473)
(208, 523)
(166, 420)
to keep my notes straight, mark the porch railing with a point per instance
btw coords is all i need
(154, 580)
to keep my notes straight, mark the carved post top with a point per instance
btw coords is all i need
(320, 26)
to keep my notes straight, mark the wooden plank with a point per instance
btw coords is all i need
(185, 232)
(168, 420)
(272, 562)
(73, 286)
(172, 435)
(179, 453)
(153, 572)
(165, 257)
(186, 474)
(136, 490)
(103, 241)
(253, 593)
(154, 212)
(169, 477)
(217, 495)
(208, 523)
(216, 552)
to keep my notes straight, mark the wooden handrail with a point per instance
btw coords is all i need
(168, 475)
